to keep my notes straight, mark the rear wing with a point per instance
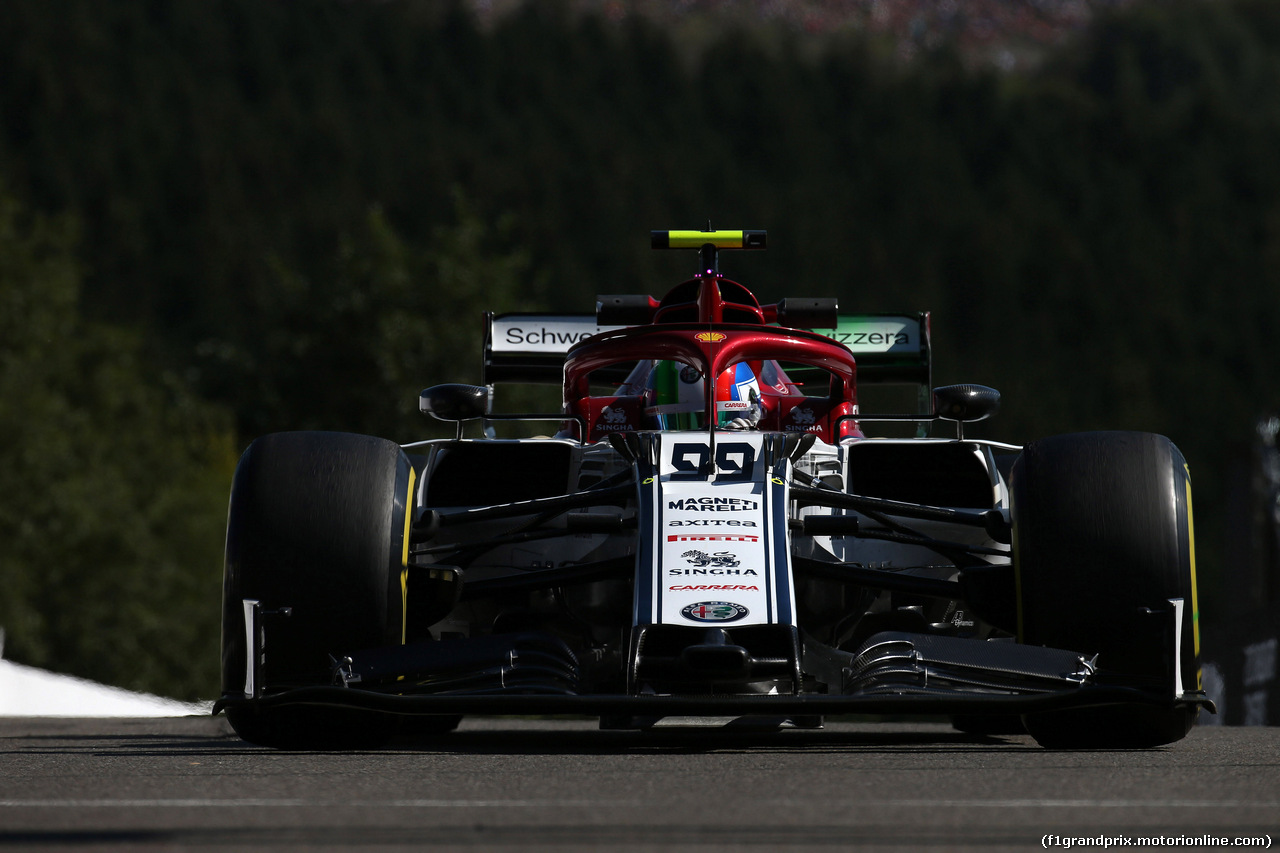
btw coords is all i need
(531, 347)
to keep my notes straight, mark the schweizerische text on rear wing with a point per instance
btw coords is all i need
(531, 347)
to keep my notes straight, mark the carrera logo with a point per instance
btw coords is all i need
(710, 537)
(710, 337)
(717, 587)
(714, 611)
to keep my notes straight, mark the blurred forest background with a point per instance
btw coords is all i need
(220, 218)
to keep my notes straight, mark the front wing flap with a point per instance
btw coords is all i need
(891, 673)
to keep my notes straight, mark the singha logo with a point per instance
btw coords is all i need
(802, 416)
(719, 558)
(613, 416)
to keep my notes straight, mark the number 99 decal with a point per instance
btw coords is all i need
(735, 461)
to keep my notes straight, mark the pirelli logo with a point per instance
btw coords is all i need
(711, 538)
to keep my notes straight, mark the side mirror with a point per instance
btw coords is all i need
(964, 403)
(809, 313)
(625, 310)
(455, 402)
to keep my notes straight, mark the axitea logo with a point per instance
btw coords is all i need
(714, 504)
(711, 522)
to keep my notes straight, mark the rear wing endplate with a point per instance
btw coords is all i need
(531, 347)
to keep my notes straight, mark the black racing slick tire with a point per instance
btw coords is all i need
(317, 524)
(1105, 565)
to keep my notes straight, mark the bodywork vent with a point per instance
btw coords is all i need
(936, 474)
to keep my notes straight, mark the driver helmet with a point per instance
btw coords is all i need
(676, 396)
(738, 402)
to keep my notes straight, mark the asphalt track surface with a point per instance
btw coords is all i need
(500, 784)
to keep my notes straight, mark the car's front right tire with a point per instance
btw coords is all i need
(1104, 559)
(316, 524)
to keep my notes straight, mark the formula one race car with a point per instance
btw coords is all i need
(710, 533)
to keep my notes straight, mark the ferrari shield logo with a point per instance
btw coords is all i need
(714, 611)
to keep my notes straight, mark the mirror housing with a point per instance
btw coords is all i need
(454, 402)
(965, 403)
(629, 310)
(809, 313)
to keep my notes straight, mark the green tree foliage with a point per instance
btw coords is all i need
(350, 347)
(112, 486)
